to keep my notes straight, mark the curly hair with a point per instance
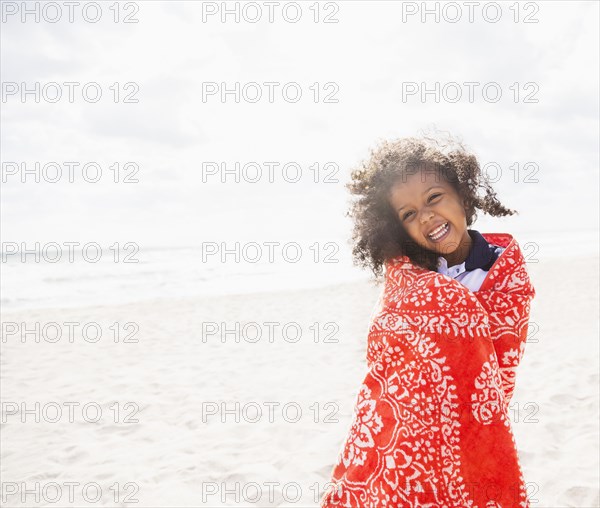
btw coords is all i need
(378, 234)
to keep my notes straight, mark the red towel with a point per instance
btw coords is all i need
(431, 426)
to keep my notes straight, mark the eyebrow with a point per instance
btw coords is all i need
(424, 192)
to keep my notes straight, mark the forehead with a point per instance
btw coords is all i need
(409, 186)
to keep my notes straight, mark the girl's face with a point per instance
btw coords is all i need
(433, 214)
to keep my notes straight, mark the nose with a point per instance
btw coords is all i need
(427, 214)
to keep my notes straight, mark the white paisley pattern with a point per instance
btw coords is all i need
(367, 423)
(487, 397)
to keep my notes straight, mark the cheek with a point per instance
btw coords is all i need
(413, 231)
(458, 213)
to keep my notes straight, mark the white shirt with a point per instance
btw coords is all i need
(472, 279)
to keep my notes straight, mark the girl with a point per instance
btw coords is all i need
(430, 426)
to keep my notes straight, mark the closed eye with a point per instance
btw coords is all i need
(433, 196)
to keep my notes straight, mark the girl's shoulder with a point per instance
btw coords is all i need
(497, 239)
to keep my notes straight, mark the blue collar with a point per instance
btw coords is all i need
(482, 254)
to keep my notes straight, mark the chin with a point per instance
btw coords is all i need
(449, 246)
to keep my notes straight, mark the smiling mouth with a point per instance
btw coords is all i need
(440, 232)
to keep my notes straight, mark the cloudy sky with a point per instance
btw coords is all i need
(364, 61)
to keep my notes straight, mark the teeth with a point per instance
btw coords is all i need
(439, 231)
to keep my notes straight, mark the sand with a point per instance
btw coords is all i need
(295, 397)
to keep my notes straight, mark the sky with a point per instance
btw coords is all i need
(363, 62)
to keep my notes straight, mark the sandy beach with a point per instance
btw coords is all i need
(174, 406)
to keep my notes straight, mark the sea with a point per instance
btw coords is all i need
(62, 278)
